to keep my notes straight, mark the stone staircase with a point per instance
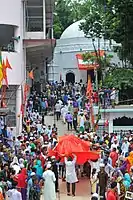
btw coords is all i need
(11, 104)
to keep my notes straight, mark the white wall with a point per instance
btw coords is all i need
(65, 63)
(34, 35)
(10, 12)
(124, 128)
(16, 75)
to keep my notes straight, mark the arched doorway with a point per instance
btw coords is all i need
(70, 77)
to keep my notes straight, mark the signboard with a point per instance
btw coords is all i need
(88, 65)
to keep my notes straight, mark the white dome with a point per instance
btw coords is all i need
(73, 31)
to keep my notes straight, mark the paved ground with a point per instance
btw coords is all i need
(62, 128)
(82, 188)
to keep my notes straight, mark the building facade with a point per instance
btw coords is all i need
(26, 39)
(119, 119)
(71, 43)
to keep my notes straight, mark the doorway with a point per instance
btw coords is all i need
(70, 77)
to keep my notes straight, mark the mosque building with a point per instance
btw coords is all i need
(73, 42)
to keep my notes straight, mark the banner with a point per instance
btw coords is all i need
(88, 65)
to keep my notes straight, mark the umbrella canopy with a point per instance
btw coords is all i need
(70, 144)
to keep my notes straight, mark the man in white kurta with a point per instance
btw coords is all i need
(14, 194)
(49, 184)
(71, 177)
(64, 111)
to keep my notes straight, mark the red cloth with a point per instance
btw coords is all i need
(22, 178)
(70, 144)
(114, 157)
(111, 195)
(42, 160)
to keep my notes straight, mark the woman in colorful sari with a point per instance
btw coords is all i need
(39, 169)
(126, 180)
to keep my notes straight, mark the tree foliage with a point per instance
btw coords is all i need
(121, 79)
(67, 12)
(112, 19)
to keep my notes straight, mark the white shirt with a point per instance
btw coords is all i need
(58, 107)
(109, 169)
(71, 176)
(82, 121)
(14, 195)
(125, 147)
(112, 95)
(49, 185)
(114, 146)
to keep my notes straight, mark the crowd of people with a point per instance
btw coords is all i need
(26, 169)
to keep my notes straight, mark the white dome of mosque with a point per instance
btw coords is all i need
(73, 31)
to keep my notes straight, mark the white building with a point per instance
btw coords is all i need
(73, 42)
(119, 118)
(26, 40)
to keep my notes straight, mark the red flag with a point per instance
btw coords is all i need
(8, 64)
(22, 109)
(4, 68)
(31, 75)
(26, 90)
(106, 123)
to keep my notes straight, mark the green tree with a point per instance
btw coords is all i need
(62, 17)
(67, 12)
(121, 79)
(112, 19)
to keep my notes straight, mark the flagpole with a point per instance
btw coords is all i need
(96, 79)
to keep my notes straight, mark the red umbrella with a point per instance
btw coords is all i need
(70, 144)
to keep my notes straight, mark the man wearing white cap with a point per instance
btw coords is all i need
(49, 184)
(125, 147)
(115, 144)
(94, 196)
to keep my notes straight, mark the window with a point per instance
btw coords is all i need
(7, 38)
(34, 16)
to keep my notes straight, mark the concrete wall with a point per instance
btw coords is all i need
(12, 14)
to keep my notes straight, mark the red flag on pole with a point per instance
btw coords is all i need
(26, 90)
(106, 123)
(8, 64)
(31, 75)
(4, 70)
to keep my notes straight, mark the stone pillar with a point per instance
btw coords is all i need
(44, 18)
(18, 110)
(110, 125)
